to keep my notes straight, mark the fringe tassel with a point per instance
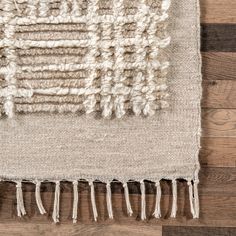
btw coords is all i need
(55, 214)
(20, 202)
(38, 198)
(143, 201)
(157, 212)
(196, 198)
(191, 199)
(174, 203)
(109, 202)
(95, 213)
(127, 200)
(75, 202)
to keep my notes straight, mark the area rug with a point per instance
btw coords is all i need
(100, 90)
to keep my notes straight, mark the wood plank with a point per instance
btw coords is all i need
(217, 181)
(196, 231)
(219, 65)
(218, 37)
(218, 152)
(219, 123)
(219, 94)
(218, 11)
(31, 229)
(42, 229)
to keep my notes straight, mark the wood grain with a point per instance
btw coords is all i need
(218, 152)
(219, 94)
(219, 65)
(32, 229)
(197, 231)
(218, 11)
(219, 123)
(218, 38)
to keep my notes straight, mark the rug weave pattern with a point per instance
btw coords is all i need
(84, 56)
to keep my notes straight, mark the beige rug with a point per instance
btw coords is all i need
(97, 90)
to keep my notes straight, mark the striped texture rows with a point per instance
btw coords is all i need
(83, 56)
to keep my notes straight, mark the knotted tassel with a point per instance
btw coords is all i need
(20, 202)
(157, 212)
(109, 202)
(174, 203)
(196, 198)
(127, 200)
(75, 201)
(56, 207)
(38, 198)
(143, 201)
(95, 213)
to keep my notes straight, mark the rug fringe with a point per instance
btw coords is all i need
(95, 213)
(196, 198)
(19, 197)
(143, 200)
(75, 201)
(157, 212)
(127, 200)
(191, 198)
(38, 197)
(192, 188)
(174, 202)
(56, 207)
(109, 202)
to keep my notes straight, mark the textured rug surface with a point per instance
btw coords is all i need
(100, 90)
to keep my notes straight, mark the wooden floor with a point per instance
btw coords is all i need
(218, 162)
